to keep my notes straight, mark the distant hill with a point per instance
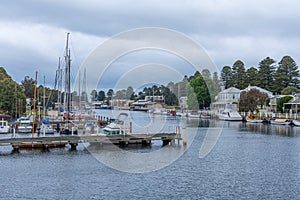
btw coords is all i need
(12, 100)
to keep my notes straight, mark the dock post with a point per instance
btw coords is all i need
(14, 132)
(130, 129)
(165, 142)
(73, 146)
(45, 147)
(15, 149)
(184, 139)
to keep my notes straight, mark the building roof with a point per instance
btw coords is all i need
(231, 90)
(270, 94)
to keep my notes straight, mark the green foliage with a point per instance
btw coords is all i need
(239, 75)
(101, 95)
(28, 86)
(201, 91)
(192, 100)
(287, 73)
(266, 74)
(13, 98)
(290, 90)
(281, 101)
(252, 74)
(226, 75)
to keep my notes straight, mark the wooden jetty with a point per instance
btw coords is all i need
(61, 141)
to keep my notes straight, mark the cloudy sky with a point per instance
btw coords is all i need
(33, 32)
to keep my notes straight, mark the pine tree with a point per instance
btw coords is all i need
(286, 74)
(266, 74)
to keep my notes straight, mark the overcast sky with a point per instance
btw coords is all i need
(33, 32)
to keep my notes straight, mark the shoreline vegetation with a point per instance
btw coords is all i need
(201, 88)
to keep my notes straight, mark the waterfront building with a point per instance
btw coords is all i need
(228, 96)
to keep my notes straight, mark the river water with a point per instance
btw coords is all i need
(248, 161)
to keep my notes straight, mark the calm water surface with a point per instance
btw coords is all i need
(249, 161)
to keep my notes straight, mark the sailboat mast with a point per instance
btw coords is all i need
(79, 92)
(44, 97)
(67, 76)
(59, 83)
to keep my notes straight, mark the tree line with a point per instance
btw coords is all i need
(279, 78)
(200, 88)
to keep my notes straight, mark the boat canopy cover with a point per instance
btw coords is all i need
(45, 122)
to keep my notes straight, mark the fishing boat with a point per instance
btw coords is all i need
(281, 121)
(253, 119)
(4, 127)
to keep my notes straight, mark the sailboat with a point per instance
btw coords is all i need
(69, 126)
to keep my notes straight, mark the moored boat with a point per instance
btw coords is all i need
(4, 127)
(24, 126)
(230, 115)
(205, 116)
(296, 122)
(281, 121)
(46, 128)
(253, 119)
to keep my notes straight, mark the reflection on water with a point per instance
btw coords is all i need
(271, 129)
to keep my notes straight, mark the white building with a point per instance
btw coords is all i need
(183, 103)
(270, 94)
(228, 96)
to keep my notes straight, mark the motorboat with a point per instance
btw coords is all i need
(4, 127)
(205, 116)
(24, 125)
(46, 128)
(116, 127)
(230, 115)
(90, 127)
(253, 119)
(193, 114)
(281, 121)
(296, 122)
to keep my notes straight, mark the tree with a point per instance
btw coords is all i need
(201, 91)
(28, 86)
(169, 96)
(13, 98)
(226, 75)
(205, 73)
(110, 93)
(250, 100)
(251, 74)
(289, 90)
(281, 101)
(129, 93)
(238, 75)
(286, 74)
(266, 74)
(94, 95)
(192, 101)
(120, 94)
(101, 95)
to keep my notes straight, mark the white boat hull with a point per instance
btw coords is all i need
(296, 122)
(280, 123)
